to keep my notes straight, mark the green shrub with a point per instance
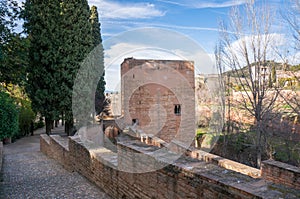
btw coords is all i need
(26, 118)
(8, 116)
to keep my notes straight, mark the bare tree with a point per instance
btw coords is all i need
(292, 16)
(244, 48)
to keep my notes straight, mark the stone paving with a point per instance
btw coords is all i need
(27, 173)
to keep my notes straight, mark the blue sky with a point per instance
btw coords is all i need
(125, 24)
(198, 20)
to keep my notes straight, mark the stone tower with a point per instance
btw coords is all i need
(158, 97)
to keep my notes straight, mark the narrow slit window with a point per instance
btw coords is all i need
(135, 122)
(177, 109)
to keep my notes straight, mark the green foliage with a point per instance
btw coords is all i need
(39, 124)
(76, 43)
(238, 88)
(8, 116)
(60, 39)
(43, 25)
(295, 68)
(97, 42)
(15, 60)
(13, 47)
(9, 11)
(26, 118)
(289, 82)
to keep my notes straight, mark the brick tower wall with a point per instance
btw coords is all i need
(150, 91)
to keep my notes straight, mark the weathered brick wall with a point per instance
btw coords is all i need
(56, 148)
(150, 91)
(281, 173)
(182, 179)
(45, 145)
(198, 154)
(185, 178)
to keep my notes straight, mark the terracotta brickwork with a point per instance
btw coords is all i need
(197, 154)
(159, 95)
(281, 173)
(185, 178)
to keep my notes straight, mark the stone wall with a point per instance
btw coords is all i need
(195, 153)
(59, 149)
(281, 173)
(184, 178)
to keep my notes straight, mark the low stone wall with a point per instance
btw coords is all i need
(57, 148)
(1, 155)
(226, 163)
(281, 173)
(184, 178)
(199, 154)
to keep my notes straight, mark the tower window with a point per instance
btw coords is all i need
(177, 109)
(135, 122)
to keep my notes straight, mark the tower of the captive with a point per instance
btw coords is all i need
(158, 97)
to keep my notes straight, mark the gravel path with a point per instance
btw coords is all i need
(27, 173)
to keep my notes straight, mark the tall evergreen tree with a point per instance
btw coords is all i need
(97, 42)
(42, 20)
(76, 44)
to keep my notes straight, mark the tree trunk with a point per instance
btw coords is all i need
(48, 126)
(56, 123)
(31, 128)
(62, 119)
(258, 146)
(69, 128)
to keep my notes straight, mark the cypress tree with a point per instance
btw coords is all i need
(97, 42)
(42, 26)
(76, 44)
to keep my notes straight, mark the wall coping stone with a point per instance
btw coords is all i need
(199, 154)
(61, 141)
(282, 165)
(101, 154)
(210, 172)
(46, 138)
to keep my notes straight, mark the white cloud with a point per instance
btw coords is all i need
(170, 26)
(117, 10)
(205, 4)
(277, 48)
(115, 54)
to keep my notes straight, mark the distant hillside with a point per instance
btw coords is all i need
(244, 72)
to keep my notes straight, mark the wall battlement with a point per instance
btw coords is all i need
(185, 178)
